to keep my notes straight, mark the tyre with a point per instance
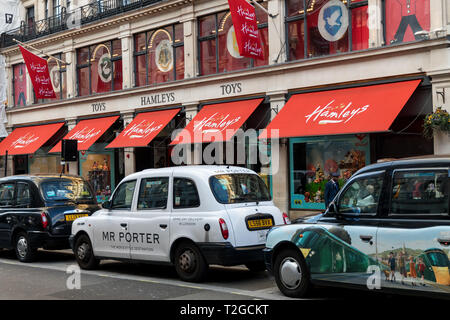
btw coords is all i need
(84, 253)
(291, 273)
(190, 264)
(23, 249)
(258, 266)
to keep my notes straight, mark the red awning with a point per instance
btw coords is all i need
(27, 140)
(141, 131)
(344, 111)
(87, 132)
(217, 122)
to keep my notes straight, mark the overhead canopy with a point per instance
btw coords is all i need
(217, 122)
(87, 132)
(27, 140)
(344, 111)
(143, 129)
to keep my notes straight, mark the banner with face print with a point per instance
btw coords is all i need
(39, 74)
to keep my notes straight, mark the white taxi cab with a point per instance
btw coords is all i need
(189, 216)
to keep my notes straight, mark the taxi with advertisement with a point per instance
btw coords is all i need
(189, 217)
(37, 211)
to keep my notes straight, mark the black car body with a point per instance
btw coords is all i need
(37, 211)
(387, 229)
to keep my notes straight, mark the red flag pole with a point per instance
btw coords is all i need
(40, 51)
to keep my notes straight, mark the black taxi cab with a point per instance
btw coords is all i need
(387, 229)
(37, 211)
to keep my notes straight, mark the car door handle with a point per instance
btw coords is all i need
(124, 225)
(163, 226)
(366, 238)
(444, 242)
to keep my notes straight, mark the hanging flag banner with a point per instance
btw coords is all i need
(40, 76)
(246, 29)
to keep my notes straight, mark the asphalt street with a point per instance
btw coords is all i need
(52, 277)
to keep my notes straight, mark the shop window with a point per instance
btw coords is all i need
(325, 27)
(314, 160)
(19, 85)
(99, 68)
(420, 192)
(153, 193)
(123, 197)
(159, 55)
(185, 194)
(405, 19)
(58, 76)
(218, 50)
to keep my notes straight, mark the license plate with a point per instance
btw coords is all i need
(72, 217)
(259, 223)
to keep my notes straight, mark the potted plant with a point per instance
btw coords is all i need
(438, 120)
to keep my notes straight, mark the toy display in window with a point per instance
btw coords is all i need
(100, 178)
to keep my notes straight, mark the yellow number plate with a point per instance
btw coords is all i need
(72, 217)
(259, 223)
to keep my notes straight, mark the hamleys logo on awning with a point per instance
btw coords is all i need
(85, 134)
(141, 130)
(215, 123)
(24, 141)
(335, 114)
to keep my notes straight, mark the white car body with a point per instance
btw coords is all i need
(153, 234)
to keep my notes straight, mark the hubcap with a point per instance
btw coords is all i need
(22, 247)
(82, 251)
(290, 273)
(187, 261)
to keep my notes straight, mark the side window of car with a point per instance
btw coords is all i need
(6, 194)
(153, 193)
(123, 197)
(420, 192)
(185, 194)
(362, 195)
(24, 199)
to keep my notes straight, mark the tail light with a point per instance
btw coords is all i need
(223, 228)
(44, 220)
(286, 218)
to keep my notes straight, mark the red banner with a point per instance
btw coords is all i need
(246, 29)
(39, 74)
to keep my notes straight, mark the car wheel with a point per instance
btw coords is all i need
(189, 263)
(84, 253)
(258, 266)
(24, 251)
(291, 273)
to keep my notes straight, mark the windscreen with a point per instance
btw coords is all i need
(236, 188)
(65, 190)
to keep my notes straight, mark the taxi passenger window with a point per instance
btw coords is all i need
(23, 195)
(153, 193)
(6, 194)
(362, 196)
(420, 192)
(123, 196)
(185, 194)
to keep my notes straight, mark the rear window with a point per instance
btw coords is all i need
(66, 190)
(237, 188)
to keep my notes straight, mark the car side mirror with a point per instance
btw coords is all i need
(106, 205)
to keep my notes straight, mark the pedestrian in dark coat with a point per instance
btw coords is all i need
(331, 189)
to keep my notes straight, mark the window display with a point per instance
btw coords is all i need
(314, 160)
(20, 85)
(97, 169)
(405, 19)
(332, 26)
(218, 48)
(159, 55)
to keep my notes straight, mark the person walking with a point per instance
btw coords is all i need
(331, 189)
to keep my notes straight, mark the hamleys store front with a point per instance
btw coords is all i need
(341, 130)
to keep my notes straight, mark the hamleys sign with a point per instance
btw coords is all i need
(24, 141)
(331, 113)
(142, 129)
(217, 122)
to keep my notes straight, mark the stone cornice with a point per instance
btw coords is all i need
(97, 25)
